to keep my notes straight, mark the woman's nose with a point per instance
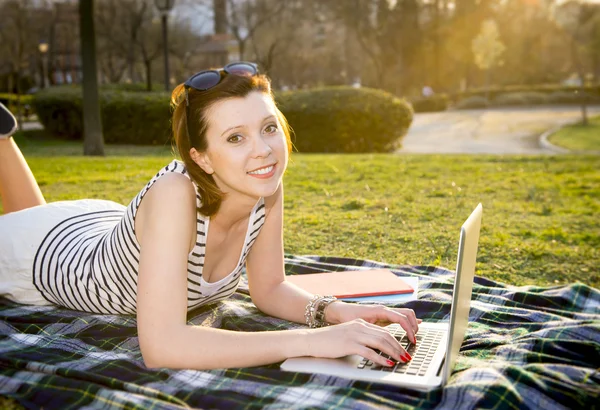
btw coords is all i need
(261, 147)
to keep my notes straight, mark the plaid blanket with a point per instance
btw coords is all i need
(526, 347)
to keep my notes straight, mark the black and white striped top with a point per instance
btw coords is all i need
(89, 262)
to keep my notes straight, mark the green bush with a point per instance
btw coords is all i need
(16, 106)
(345, 119)
(521, 98)
(472, 102)
(132, 87)
(437, 102)
(127, 117)
(547, 89)
(336, 119)
(571, 97)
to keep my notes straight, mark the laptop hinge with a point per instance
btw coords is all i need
(439, 371)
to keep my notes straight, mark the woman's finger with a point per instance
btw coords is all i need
(410, 314)
(395, 316)
(372, 355)
(378, 338)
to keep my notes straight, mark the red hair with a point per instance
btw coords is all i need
(231, 86)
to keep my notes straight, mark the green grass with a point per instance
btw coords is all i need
(578, 137)
(540, 223)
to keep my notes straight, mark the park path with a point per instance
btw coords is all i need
(506, 130)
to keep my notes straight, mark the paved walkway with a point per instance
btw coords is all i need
(491, 131)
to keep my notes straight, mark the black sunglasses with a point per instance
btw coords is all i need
(205, 80)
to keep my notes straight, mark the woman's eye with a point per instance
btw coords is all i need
(271, 129)
(234, 138)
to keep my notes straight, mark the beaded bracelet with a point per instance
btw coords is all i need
(314, 314)
(309, 311)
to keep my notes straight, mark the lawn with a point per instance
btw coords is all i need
(540, 223)
(577, 137)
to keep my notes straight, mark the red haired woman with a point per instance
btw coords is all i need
(183, 241)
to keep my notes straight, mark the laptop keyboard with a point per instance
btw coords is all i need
(422, 353)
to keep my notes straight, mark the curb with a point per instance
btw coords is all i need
(543, 140)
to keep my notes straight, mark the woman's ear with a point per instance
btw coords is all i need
(202, 160)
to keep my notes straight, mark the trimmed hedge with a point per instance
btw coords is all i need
(127, 117)
(346, 119)
(531, 98)
(472, 102)
(11, 101)
(547, 89)
(437, 102)
(335, 119)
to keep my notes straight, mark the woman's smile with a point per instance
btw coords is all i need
(263, 172)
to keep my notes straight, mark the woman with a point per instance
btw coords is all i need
(183, 240)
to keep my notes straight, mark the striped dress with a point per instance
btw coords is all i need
(88, 260)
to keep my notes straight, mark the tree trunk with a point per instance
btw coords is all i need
(581, 75)
(242, 48)
(436, 46)
(584, 116)
(19, 108)
(488, 75)
(220, 16)
(148, 65)
(130, 62)
(93, 140)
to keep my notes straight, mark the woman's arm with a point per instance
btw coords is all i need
(272, 294)
(169, 221)
(168, 225)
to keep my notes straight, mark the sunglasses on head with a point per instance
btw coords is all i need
(205, 80)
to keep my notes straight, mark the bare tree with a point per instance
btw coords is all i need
(150, 45)
(575, 16)
(247, 16)
(280, 38)
(388, 33)
(19, 34)
(120, 25)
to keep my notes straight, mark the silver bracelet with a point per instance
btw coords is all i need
(320, 313)
(314, 313)
(310, 310)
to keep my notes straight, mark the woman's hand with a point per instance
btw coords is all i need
(356, 337)
(341, 312)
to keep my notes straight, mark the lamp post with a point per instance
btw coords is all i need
(43, 47)
(164, 7)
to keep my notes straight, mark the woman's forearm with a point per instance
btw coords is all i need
(202, 348)
(285, 301)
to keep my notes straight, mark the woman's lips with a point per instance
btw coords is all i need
(263, 173)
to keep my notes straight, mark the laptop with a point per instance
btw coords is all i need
(436, 350)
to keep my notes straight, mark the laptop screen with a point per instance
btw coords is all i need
(463, 285)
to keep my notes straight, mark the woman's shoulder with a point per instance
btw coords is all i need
(171, 196)
(175, 166)
(174, 185)
(170, 182)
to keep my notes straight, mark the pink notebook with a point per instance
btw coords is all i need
(346, 284)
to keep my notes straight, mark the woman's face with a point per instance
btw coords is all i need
(247, 150)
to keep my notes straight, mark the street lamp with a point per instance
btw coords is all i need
(164, 7)
(43, 47)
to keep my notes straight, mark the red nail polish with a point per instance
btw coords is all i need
(407, 357)
(390, 363)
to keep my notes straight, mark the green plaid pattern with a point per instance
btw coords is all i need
(526, 348)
